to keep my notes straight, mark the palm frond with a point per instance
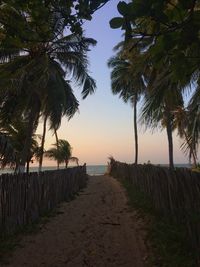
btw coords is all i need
(60, 152)
(125, 80)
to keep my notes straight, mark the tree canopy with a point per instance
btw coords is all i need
(43, 49)
(171, 29)
(162, 39)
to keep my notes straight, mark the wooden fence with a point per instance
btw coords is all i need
(173, 194)
(24, 198)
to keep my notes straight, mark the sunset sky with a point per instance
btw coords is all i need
(104, 126)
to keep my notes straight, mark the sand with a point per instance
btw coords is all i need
(97, 229)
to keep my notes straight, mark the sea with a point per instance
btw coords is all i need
(91, 169)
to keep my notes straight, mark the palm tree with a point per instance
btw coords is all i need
(163, 96)
(15, 133)
(130, 85)
(57, 145)
(41, 149)
(7, 152)
(183, 126)
(65, 151)
(61, 152)
(34, 63)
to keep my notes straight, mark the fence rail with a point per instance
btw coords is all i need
(24, 198)
(173, 194)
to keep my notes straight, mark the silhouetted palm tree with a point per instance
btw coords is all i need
(129, 85)
(163, 96)
(61, 152)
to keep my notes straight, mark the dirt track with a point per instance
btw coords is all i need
(97, 229)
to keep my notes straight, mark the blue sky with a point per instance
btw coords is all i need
(104, 125)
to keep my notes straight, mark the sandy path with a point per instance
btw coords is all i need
(97, 229)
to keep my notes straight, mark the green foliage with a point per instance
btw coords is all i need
(171, 26)
(7, 152)
(123, 8)
(13, 135)
(196, 168)
(72, 12)
(116, 22)
(42, 49)
(127, 74)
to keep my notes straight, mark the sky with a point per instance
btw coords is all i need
(104, 125)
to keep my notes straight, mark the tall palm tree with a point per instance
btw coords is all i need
(35, 61)
(41, 149)
(57, 145)
(163, 96)
(130, 85)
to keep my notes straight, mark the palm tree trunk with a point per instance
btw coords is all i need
(135, 129)
(42, 143)
(66, 163)
(56, 135)
(33, 116)
(194, 158)
(170, 139)
(27, 166)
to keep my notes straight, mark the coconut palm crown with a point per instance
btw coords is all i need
(61, 152)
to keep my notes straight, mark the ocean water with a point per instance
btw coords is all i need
(91, 169)
(96, 169)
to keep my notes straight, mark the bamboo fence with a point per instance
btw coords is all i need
(26, 197)
(174, 194)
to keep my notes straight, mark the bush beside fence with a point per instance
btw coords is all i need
(26, 197)
(173, 194)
